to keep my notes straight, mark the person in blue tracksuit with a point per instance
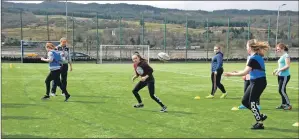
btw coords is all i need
(217, 70)
(54, 60)
(256, 68)
(283, 75)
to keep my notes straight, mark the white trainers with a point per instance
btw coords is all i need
(164, 109)
(52, 94)
(62, 94)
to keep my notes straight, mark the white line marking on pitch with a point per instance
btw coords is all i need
(221, 78)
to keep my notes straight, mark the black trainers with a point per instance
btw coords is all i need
(140, 105)
(164, 109)
(257, 126)
(280, 107)
(67, 97)
(46, 97)
(264, 117)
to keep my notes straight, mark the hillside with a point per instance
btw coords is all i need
(35, 25)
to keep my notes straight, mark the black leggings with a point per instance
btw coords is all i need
(151, 89)
(283, 81)
(64, 69)
(216, 82)
(252, 95)
(246, 84)
(54, 75)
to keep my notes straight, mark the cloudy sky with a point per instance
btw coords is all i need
(204, 5)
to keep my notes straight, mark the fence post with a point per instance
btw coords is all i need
(120, 38)
(48, 32)
(207, 20)
(22, 52)
(269, 25)
(97, 38)
(164, 35)
(289, 32)
(73, 40)
(248, 33)
(21, 19)
(142, 24)
(227, 40)
(186, 39)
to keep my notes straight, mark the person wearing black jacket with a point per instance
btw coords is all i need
(145, 72)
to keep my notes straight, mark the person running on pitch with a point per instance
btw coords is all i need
(54, 60)
(256, 69)
(145, 72)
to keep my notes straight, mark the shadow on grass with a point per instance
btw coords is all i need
(20, 118)
(20, 136)
(85, 102)
(15, 105)
(240, 98)
(170, 112)
(294, 130)
(90, 96)
(292, 110)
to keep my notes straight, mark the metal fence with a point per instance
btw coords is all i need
(180, 41)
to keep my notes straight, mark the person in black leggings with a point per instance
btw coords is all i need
(143, 70)
(217, 70)
(283, 75)
(54, 60)
(256, 68)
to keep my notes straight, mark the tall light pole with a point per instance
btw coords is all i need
(277, 22)
(66, 18)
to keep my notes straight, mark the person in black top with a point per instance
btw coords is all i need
(145, 72)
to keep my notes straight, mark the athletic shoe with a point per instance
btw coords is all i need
(259, 107)
(242, 107)
(287, 107)
(264, 117)
(223, 95)
(281, 106)
(62, 94)
(164, 109)
(53, 94)
(210, 96)
(139, 105)
(257, 126)
(46, 97)
(67, 97)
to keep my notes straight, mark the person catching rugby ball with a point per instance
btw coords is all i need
(145, 72)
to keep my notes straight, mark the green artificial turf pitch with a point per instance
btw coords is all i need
(102, 100)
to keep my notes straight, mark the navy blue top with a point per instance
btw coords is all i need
(56, 60)
(217, 62)
(256, 62)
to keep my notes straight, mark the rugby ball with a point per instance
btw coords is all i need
(163, 56)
